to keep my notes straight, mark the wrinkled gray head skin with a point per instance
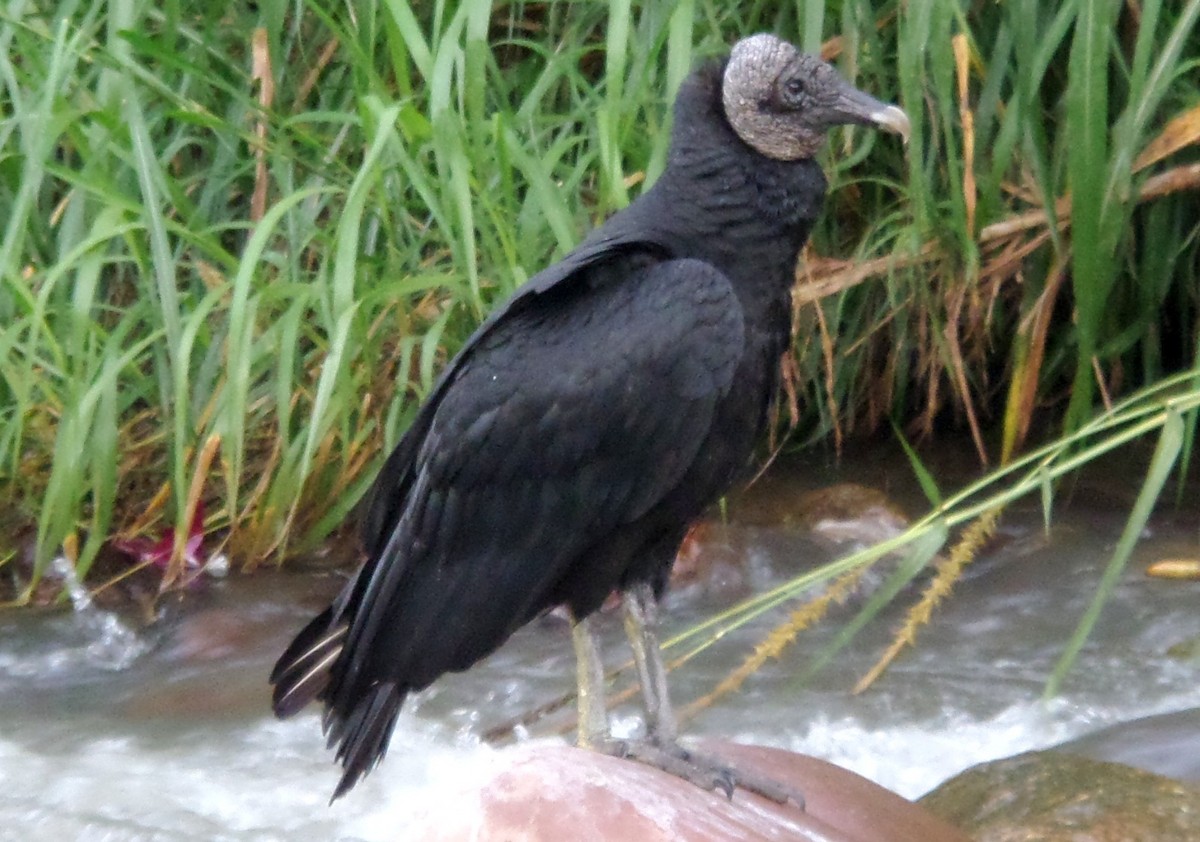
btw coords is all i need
(781, 101)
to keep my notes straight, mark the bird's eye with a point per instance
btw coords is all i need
(792, 92)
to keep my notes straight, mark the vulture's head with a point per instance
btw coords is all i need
(781, 101)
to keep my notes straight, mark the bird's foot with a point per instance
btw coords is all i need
(708, 773)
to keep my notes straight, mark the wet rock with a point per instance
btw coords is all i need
(555, 792)
(1054, 796)
(1185, 650)
(215, 695)
(215, 657)
(849, 513)
(214, 633)
(714, 557)
(223, 673)
(846, 511)
(1166, 744)
(710, 560)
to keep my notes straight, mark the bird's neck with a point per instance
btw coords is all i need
(722, 202)
(735, 206)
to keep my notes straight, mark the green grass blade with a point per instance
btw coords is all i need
(1092, 261)
(928, 484)
(240, 352)
(1165, 454)
(918, 556)
(610, 117)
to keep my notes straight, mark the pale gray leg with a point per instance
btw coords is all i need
(661, 749)
(641, 626)
(593, 716)
(589, 675)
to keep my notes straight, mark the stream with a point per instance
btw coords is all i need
(165, 734)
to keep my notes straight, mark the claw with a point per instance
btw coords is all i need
(703, 771)
(725, 780)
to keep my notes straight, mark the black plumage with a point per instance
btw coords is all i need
(566, 449)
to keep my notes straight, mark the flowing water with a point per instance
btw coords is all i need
(107, 733)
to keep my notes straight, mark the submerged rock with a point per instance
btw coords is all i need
(845, 512)
(555, 792)
(1050, 796)
(714, 556)
(848, 513)
(1165, 743)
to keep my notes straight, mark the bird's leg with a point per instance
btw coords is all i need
(593, 716)
(641, 627)
(661, 749)
(589, 675)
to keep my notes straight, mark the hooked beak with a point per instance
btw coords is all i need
(893, 119)
(853, 106)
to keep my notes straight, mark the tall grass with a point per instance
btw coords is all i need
(238, 242)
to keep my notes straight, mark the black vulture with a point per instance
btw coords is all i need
(566, 449)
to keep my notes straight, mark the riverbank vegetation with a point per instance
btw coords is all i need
(239, 241)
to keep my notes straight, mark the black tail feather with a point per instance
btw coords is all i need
(362, 737)
(303, 671)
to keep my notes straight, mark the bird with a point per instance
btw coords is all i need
(588, 421)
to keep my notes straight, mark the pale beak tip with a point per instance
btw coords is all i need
(893, 119)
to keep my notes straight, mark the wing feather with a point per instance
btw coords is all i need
(563, 421)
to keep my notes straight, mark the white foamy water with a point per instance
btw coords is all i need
(913, 760)
(268, 780)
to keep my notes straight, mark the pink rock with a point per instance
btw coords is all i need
(556, 792)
